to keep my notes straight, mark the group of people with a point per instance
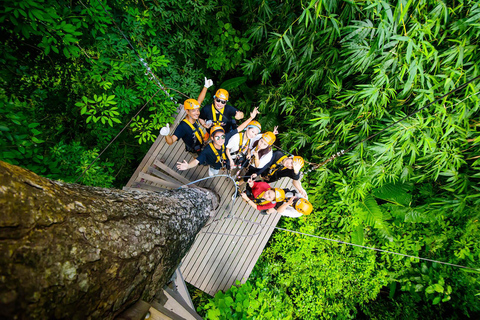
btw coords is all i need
(212, 136)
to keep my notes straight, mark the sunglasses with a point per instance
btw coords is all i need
(219, 137)
(220, 101)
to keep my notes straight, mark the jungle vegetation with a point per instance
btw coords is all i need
(330, 73)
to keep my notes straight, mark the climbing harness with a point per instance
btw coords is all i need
(197, 131)
(220, 158)
(214, 115)
(277, 166)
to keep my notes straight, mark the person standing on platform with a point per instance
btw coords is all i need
(219, 112)
(189, 129)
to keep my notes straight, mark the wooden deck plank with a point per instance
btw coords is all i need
(240, 254)
(170, 172)
(253, 255)
(204, 243)
(159, 181)
(233, 245)
(224, 279)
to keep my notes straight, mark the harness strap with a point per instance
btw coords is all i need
(276, 166)
(260, 200)
(196, 130)
(241, 147)
(214, 114)
(215, 151)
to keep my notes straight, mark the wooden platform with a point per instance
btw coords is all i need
(215, 261)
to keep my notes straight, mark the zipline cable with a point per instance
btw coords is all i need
(142, 61)
(334, 240)
(115, 138)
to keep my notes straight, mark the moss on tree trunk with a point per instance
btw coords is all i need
(72, 251)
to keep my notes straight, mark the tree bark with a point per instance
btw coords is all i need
(78, 252)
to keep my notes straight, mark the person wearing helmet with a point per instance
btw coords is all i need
(281, 166)
(219, 112)
(294, 207)
(260, 153)
(238, 145)
(214, 154)
(189, 129)
(261, 196)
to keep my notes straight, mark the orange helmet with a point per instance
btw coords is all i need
(279, 194)
(298, 159)
(215, 128)
(255, 124)
(269, 137)
(304, 206)
(222, 94)
(191, 104)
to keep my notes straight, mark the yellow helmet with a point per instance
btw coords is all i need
(255, 124)
(279, 194)
(269, 137)
(298, 159)
(215, 128)
(222, 94)
(304, 206)
(191, 104)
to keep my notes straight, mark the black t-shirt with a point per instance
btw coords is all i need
(208, 158)
(184, 132)
(290, 173)
(228, 117)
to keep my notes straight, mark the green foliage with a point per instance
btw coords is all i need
(330, 73)
(244, 302)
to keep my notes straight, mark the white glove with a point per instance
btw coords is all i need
(165, 131)
(208, 83)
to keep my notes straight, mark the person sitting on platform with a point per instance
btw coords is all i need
(281, 166)
(294, 207)
(190, 130)
(214, 154)
(261, 196)
(219, 112)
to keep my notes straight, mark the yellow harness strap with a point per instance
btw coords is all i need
(215, 151)
(274, 168)
(260, 201)
(214, 114)
(242, 148)
(198, 132)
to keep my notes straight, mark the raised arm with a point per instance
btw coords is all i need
(201, 96)
(244, 124)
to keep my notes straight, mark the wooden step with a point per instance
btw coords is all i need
(158, 181)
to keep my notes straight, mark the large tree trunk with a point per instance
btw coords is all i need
(71, 251)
